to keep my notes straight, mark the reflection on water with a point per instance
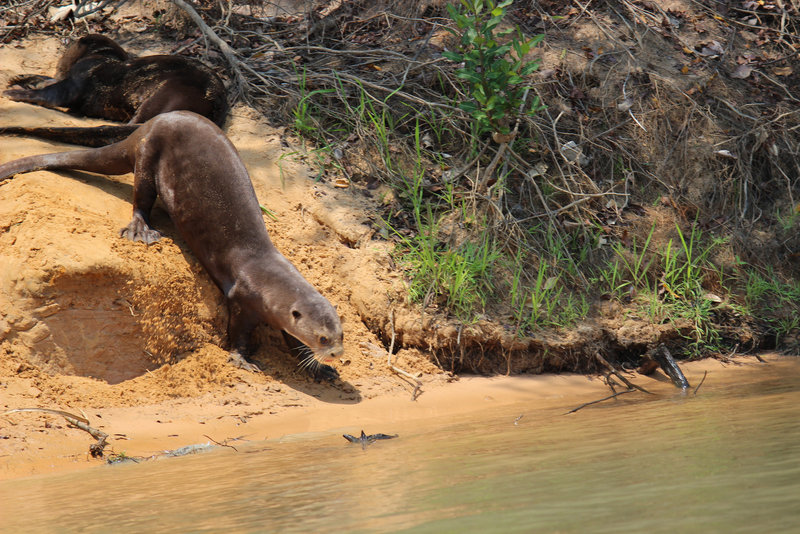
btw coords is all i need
(727, 460)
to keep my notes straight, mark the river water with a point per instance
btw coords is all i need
(724, 460)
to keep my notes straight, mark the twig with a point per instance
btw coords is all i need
(417, 384)
(223, 444)
(616, 373)
(701, 382)
(95, 449)
(227, 51)
(617, 394)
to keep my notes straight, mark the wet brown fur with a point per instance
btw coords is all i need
(187, 161)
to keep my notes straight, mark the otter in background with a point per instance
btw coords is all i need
(96, 77)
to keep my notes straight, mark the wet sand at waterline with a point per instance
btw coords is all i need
(38, 443)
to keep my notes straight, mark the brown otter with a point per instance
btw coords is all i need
(187, 161)
(96, 78)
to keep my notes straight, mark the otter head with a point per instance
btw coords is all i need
(315, 323)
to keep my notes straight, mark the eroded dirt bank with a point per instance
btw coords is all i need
(91, 321)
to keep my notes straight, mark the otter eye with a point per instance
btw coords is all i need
(323, 340)
(296, 314)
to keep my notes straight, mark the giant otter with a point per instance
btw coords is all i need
(95, 77)
(187, 161)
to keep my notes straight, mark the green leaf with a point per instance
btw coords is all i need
(470, 76)
(529, 68)
(503, 50)
(469, 107)
(536, 40)
(452, 56)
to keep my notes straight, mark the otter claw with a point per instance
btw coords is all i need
(137, 230)
(324, 372)
(237, 360)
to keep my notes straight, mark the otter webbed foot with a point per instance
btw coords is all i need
(322, 372)
(138, 230)
(30, 82)
(236, 359)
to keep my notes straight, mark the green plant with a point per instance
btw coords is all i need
(304, 122)
(773, 301)
(611, 279)
(684, 271)
(636, 267)
(459, 275)
(495, 77)
(788, 222)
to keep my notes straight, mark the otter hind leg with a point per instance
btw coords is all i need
(31, 81)
(59, 94)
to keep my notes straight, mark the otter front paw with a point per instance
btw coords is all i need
(322, 372)
(138, 230)
(237, 360)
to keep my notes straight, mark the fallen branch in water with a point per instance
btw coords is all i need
(661, 355)
(77, 421)
(705, 373)
(617, 394)
(612, 370)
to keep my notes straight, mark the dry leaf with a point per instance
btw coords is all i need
(626, 104)
(782, 71)
(742, 72)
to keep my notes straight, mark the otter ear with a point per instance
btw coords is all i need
(296, 314)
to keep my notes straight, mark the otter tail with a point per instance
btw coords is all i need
(112, 159)
(92, 136)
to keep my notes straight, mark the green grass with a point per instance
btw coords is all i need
(773, 301)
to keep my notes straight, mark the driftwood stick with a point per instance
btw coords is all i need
(616, 373)
(705, 373)
(617, 394)
(670, 366)
(77, 421)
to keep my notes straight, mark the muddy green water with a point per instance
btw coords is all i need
(726, 460)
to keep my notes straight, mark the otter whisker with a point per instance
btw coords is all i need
(307, 361)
